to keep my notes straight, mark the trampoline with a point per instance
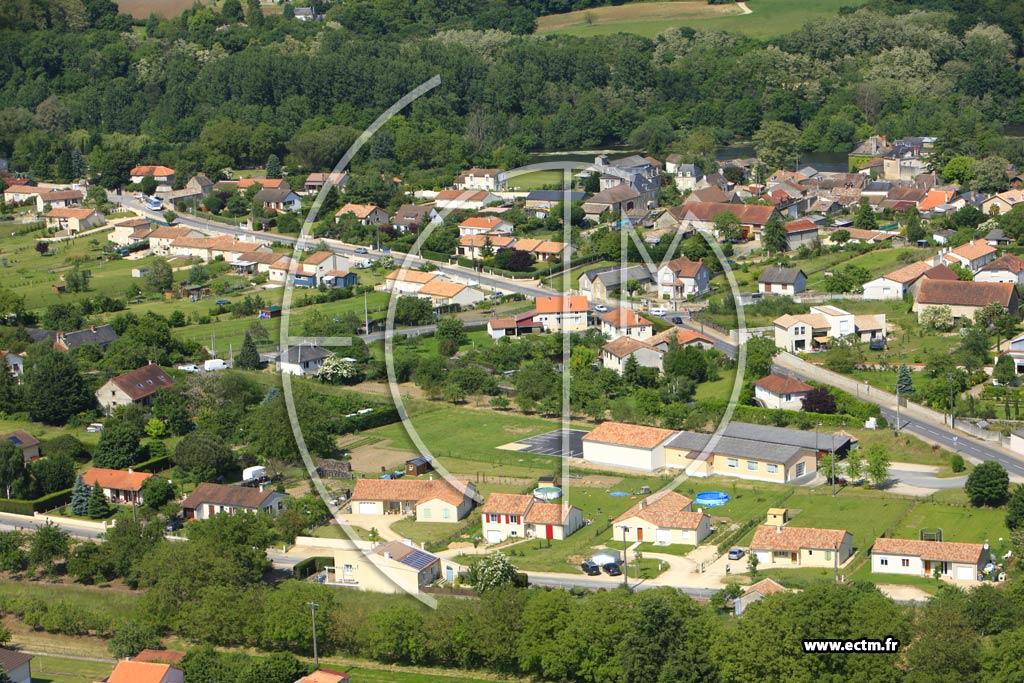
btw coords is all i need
(712, 498)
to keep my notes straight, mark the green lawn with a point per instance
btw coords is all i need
(552, 179)
(748, 499)
(770, 18)
(560, 283)
(962, 524)
(426, 532)
(47, 669)
(906, 448)
(719, 390)
(864, 573)
(101, 600)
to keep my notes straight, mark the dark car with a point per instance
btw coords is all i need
(612, 569)
(677, 320)
(173, 525)
(590, 568)
(736, 554)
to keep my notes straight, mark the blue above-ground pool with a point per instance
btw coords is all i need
(712, 499)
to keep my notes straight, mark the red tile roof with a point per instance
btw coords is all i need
(120, 480)
(684, 267)
(358, 210)
(780, 384)
(764, 587)
(623, 317)
(562, 304)
(748, 214)
(418, 490)
(139, 672)
(154, 171)
(1009, 262)
(941, 551)
(974, 250)
(481, 223)
(143, 381)
(80, 214)
(507, 503)
(634, 436)
(666, 509)
(956, 293)
(794, 539)
(801, 225)
(231, 496)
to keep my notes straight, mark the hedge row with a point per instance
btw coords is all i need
(378, 418)
(30, 507)
(435, 255)
(303, 569)
(153, 465)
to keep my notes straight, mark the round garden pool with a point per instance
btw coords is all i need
(547, 492)
(712, 498)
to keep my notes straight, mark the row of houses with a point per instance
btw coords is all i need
(432, 286)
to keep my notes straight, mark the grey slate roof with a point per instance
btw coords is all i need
(612, 276)
(102, 334)
(785, 276)
(303, 354)
(728, 445)
(553, 196)
(781, 435)
(775, 444)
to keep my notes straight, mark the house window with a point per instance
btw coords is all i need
(493, 519)
(800, 468)
(772, 469)
(752, 465)
(426, 513)
(905, 562)
(781, 553)
(884, 562)
(446, 513)
(732, 462)
(513, 519)
(828, 555)
(809, 553)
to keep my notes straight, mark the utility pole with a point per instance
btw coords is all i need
(835, 560)
(832, 459)
(312, 610)
(952, 419)
(366, 314)
(897, 407)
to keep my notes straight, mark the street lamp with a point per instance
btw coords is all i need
(312, 611)
(625, 561)
(835, 560)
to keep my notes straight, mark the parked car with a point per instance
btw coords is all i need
(659, 311)
(94, 428)
(362, 250)
(612, 569)
(191, 367)
(736, 554)
(173, 524)
(601, 308)
(676, 320)
(590, 568)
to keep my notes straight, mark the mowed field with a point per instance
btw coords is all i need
(768, 18)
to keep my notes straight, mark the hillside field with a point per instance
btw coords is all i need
(767, 18)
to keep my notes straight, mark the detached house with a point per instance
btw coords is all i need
(972, 256)
(24, 442)
(782, 281)
(965, 299)
(961, 561)
(755, 593)
(476, 246)
(304, 359)
(480, 225)
(58, 199)
(279, 199)
(513, 326)
(681, 279)
(664, 518)
(145, 672)
(366, 214)
(465, 200)
(599, 283)
(393, 567)
(208, 500)
(543, 251)
(100, 335)
(491, 179)
(616, 353)
(507, 515)
(406, 281)
(163, 176)
(617, 200)
(1006, 268)
(800, 232)
(119, 486)
(73, 221)
(664, 340)
(442, 293)
(623, 322)
(562, 313)
(816, 329)
(898, 283)
(798, 547)
(431, 500)
(627, 446)
(413, 217)
(781, 392)
(138, 386)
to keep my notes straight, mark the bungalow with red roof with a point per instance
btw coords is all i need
(1006, 268)
(145, 672)
(965, 299)
(209, 499)
(515, 515)
(543, 250)
(562, 313)
(482, 225)
(366, 214)
(119, 486)
(405, 281)
(73, 221)
(627, 446)
(790, 546)
(444, 293)
(622, 322)
(781, 392)
(431, 500)
(960, 561)
(464, 200)
(681, 279)
(663, 518)
(163, 176)
(480, 246)
(138, 386)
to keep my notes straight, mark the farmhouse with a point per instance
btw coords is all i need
(961, 561)
(622, 322)
(681, 278)
(816, 329)
(633, 447)
(782, 281)
(965, 299)
(617, 352)
(119, 486)
(431, 500)
(799, 547)
(562, 313)
(507, 515)
(1006, 268)
(664, 518)
(781, 392)
(138, 386)
(208, 500)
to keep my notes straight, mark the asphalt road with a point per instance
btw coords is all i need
(9, 522)
(598, 582)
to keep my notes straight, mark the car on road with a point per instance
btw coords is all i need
(590, 568)
(173, 524)
(659, 311)
(362, 250)
(612, 569)
(736, 554)
(601, 308)
(191, 367)
(676, 320)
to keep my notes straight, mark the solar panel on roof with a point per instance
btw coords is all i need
(15, 440)
(418, 559)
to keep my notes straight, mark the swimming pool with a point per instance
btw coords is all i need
(712, 498)
(547, 492)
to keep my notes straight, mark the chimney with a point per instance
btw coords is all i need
(387, 556)
(778, 529)
(262, 486)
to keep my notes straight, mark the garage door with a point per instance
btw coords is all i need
(663, 536)
(367, 508)
(493, 536)
(965, 574)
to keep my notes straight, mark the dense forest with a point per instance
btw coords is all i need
(85, 91)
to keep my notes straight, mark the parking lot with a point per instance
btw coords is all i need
(551, 443)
